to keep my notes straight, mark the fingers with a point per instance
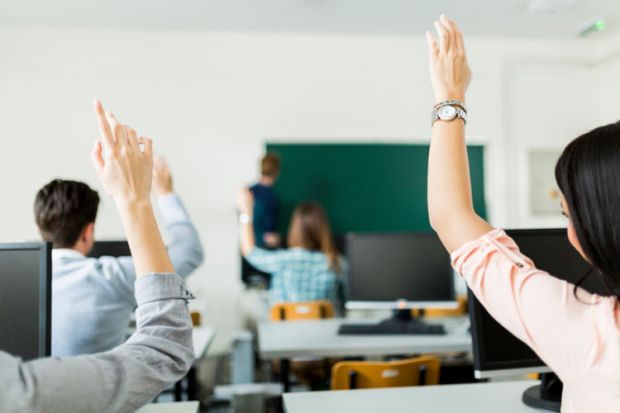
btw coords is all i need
(450, 38)
(119, 131)
(160, 162)
(96, 155)
(147, 146)
(132, 137)
(432, 44)
(458, 39)
(104, 127)
(444, 38)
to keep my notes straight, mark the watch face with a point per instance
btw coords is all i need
(447, 112)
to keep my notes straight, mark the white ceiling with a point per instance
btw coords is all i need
(477, 17)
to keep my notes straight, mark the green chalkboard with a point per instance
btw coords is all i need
(364, 187)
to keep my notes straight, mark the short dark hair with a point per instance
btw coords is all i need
(62, 209)
(270, 165)
(588, 174)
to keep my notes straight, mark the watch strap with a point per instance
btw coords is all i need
(452, 102)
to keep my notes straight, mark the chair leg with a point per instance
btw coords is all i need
(178, 391)
(192, 388)
(423, 378)
(285, 375)
(352, 380)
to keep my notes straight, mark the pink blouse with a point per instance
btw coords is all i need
(579, 339)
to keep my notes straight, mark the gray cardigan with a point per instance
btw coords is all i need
(120, 380)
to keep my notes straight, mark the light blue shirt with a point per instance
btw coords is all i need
(298, 274)
(93, 299)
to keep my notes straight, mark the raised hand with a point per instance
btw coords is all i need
(126, 169)
(449, 69)
(245, 201)
(162, 179)
(124, 165)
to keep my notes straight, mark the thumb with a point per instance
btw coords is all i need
(96, 155)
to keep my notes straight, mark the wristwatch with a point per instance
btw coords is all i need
(448, 111)
(245, 219)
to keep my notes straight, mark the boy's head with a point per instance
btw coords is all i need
(65, 212)
(270, 166)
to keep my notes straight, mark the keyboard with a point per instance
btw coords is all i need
(392, 329)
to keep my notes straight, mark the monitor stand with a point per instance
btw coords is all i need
(405, 320)
(547, 395)
(401, 323)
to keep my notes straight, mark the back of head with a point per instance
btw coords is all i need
(62, 209)
(310, 229)
(588, 174)
(270, 166)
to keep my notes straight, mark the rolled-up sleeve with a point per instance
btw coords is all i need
(537, 308)
(120, 380)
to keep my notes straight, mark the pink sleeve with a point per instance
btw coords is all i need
(541, 310)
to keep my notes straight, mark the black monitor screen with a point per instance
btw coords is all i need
(25, 288)
(389, 267)
(494, 347)
(110, 249)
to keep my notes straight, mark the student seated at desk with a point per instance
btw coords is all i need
(93, 299)
(575, 333)
(310, 269)
(160, 352)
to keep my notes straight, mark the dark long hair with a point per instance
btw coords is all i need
(310, 229)
(588, 174)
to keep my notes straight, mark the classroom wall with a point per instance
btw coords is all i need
(210, 100)
(609, 81)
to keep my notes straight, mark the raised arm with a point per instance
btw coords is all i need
(160, 352)
(126, 176)
(184, 246)
(450, 205)
(245, 206)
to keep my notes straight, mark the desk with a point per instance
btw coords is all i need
(504, 397)
(319, 338)
(201, 338)
(184, 407)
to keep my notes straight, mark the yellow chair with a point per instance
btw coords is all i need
(348, 375)
(303, 310)
(445, 312)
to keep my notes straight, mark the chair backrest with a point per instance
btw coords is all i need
(445, 312)
(348, 375)
(303, 310)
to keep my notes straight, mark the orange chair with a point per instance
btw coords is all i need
(303, 310)
(307, 370)
(196, 318)
(349, 375)
(446, 312)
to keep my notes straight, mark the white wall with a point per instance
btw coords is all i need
(210, 100)
(609, 84)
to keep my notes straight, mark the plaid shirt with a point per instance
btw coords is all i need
(297, 274)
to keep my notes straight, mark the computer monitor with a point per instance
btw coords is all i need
(25, 299)
(398, 271)
(110, 249)
(497, 352)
